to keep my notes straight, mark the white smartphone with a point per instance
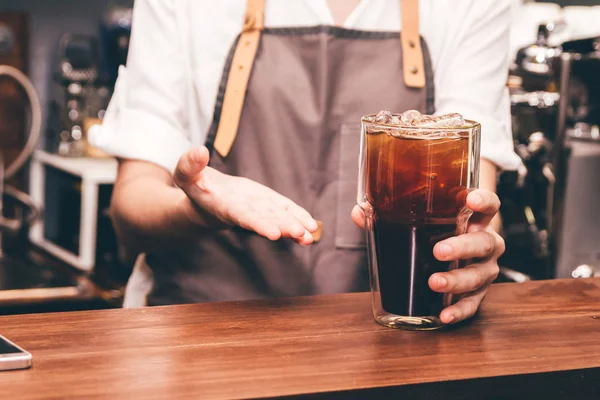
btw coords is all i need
(12, 356)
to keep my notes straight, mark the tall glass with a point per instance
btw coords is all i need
(413, 185)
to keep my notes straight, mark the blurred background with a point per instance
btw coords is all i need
(58, 248)
(59, 60)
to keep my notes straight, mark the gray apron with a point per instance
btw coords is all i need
(299, 134)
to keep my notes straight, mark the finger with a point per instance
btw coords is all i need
(273, 228)
(464, 280)
(358, 216)
(465, 308)
(306, 240)
(190, 165)
(289, 225)
(460, 195)
(302, 215)
(485, 205)
(479, 244)
(262, 223)
(271, 220)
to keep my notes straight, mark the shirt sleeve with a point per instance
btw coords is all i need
(472, 78)
(147, 118)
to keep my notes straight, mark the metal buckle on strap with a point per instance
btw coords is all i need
(253, 21)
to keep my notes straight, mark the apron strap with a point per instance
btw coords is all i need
(245, 53)
(412, 53)
(239, 75)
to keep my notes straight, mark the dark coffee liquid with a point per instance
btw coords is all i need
(405, 262)
(416, 189)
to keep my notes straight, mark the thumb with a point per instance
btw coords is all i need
(190, 166)
(358, 216)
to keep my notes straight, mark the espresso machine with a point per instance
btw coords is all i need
(86, 69)
(550, 224)
(81, 96)
(574, 222)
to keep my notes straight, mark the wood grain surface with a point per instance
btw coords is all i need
(529, 340)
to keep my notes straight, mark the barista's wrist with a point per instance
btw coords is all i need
(190, 216)
(488, 175)
(487, 180)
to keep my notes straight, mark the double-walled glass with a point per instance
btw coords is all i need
(412, 187)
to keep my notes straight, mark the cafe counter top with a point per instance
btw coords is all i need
(531, 340)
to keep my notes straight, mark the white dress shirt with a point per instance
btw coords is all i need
(164, 99)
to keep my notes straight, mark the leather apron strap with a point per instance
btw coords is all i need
(245, 53)
(412, 53)
(237, 83)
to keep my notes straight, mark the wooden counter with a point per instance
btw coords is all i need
(534, 340)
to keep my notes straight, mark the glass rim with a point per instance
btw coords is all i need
(470, 124)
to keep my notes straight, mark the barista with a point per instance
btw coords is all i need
(261, 137)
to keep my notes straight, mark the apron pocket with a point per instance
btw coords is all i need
(347, 234)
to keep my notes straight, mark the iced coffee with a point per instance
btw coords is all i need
(416, 171)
